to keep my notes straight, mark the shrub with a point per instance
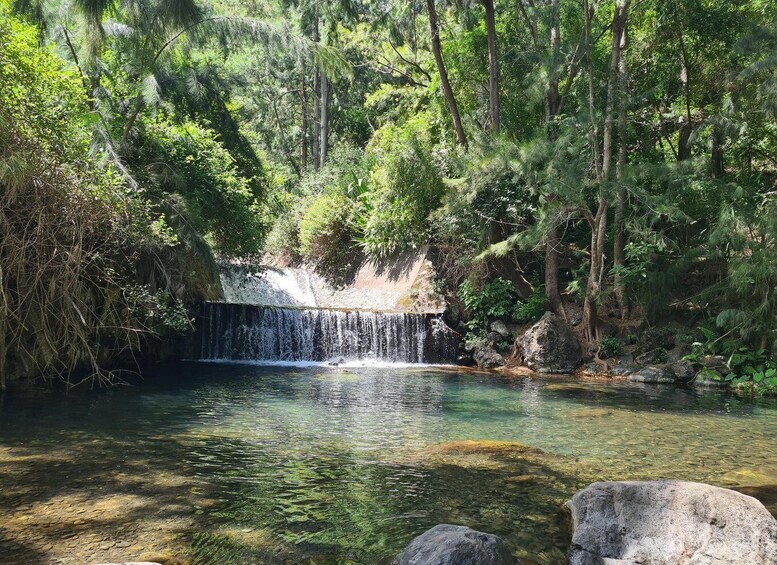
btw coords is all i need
(188, 159)
(326, 237)
(495, 299)
(406, 186)
(532, 309)
(609, 346)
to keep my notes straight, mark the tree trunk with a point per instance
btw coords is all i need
(683, 145)
(446, 85)
(552, 241)
(619, 245)
(323, 144)
(316, 137)
(717, 152)
(316, 107)
(305, 120)
(493, 68)
(591, 327)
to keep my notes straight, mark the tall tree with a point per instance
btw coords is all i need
(602, 162)
(493, 68)
(434, 25)
(555, 100)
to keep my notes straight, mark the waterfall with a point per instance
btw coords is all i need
(270, 333)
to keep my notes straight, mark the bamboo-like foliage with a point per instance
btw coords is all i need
(70, 232)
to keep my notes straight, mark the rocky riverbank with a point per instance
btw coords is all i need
(628, 522)
(552, 346)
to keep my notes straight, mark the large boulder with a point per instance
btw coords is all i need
(669, 523)
(447, 544)
(500, 327)
(550, 346)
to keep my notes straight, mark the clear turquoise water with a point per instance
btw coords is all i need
(323, 465)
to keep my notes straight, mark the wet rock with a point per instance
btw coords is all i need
(336, 361)
(550, 346)
(654, 374)
(669, 522)
(710, 379)
(501, 328)
(447, 544)
(486, 357)
(684, 370)
(623, 369)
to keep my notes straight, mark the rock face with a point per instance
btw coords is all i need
(550, 346)
(669, 523)
(654, 374)
(446, 544)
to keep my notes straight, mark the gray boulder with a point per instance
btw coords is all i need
(669, 523)
(684, 370)
(550, 346)
(500, 327)
(494, 337)
(486, 357)
(447, 544)
(654, 374)
(623, 369)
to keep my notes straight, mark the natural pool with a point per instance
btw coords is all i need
(221, 463)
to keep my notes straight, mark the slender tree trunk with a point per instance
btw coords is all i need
(717, 152)
(133, 117)
(305, 126)
(591, 326)
(619, 245)
(493, 68)
(552, 291)
(683, 143)
(446, 85)
(552, 240)
(323, 144)
(316, 137)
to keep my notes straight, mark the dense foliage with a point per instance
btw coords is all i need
(620, 155)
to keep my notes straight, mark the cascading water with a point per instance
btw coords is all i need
(271, 333)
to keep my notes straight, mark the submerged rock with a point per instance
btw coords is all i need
(447, 544)
(669, 522)
(654, 374)
(550, 346)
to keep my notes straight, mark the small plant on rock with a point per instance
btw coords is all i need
(609, 346)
